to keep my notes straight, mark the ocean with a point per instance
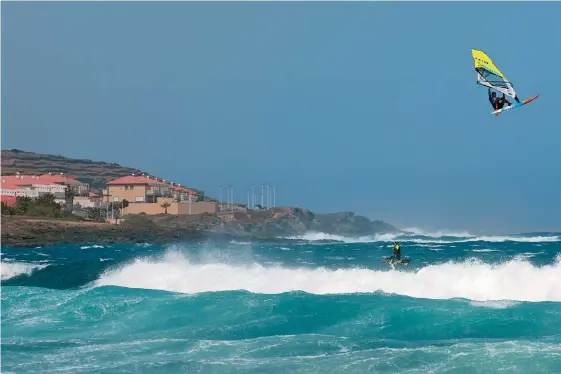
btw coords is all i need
(465, 304)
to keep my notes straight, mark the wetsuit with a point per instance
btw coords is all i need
(397, 252)
(497, 103)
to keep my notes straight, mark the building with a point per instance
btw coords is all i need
(77, 187)
(151, 195)
(136, 189)
(181, 193)
(33, 186)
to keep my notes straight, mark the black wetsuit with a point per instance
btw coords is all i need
(497, 102)
(397, 252)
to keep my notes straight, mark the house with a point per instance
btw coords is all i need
(182, 193)
(36, 185)
(33, 186)
(151, 195)
(136, 189)
(78, 188)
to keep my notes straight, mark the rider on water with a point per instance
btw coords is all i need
(396, 252)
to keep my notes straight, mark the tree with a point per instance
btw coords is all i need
(201, 197)
(22, 204)
(125, 203)
(68, 199)
(95, 213)
(166, 205)
(68, 192)
(47, 199)
(7, 210)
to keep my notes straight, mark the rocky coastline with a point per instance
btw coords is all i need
(271, 225)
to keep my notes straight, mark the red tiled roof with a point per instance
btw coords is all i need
(184, 189)
(135, 180)
(57, 178)
(26, 180)
(8, 183)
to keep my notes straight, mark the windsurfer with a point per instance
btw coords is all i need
(396, 252)
(497, 102)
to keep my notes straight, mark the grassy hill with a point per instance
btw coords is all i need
(96, 173)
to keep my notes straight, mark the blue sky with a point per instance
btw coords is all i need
(369, 107)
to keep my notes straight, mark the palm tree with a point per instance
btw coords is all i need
(166, 205)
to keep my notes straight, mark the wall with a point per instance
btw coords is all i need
(85, 202)
(174, 208)
(197, 208)
(20, 192)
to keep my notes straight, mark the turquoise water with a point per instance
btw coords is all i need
(464, 305)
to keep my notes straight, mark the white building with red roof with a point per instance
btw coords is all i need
(32, 186)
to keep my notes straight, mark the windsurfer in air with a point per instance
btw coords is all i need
(497, 102)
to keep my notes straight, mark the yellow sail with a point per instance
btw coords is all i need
(489, 75)
(483, 61)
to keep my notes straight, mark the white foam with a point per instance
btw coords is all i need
(92, 246)
(434, 238)
(13, 269)
(501, 304)
(516, 280)
(438, 234)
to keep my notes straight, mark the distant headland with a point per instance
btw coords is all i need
(51, 199)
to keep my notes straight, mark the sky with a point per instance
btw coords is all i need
(366, 107)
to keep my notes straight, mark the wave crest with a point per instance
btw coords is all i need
(516, 280)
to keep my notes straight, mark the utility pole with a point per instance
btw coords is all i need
(275, 195)
(227, 197)
(252, 196)
(262, 189)
(248, 199)
(221, 200)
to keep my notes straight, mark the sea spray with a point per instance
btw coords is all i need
(516, 279)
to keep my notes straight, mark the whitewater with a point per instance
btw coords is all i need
(465, 304)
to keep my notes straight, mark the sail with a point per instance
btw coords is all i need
(489, 75)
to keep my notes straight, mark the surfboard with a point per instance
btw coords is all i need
(515, 105)
(403, 261)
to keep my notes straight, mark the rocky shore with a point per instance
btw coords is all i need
(275, 224)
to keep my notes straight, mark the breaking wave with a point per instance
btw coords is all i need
(14, 269)
(515, 280)
(438, 238)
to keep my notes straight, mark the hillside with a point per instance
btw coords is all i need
(276, 224)
(96, 173)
